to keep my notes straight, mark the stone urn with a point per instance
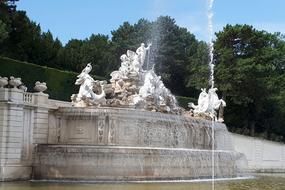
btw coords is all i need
(3, 81)
(40, 86)
(15, 82)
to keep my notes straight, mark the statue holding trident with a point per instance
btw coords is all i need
(141, 52)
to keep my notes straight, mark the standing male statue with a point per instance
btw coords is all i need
(141, 51)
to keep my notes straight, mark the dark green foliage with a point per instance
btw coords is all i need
(97, 49)
(176, 46)
(24, 40)
(198, 72)
(183, 101)
(60, 83)
(250, 76)
(10, 4)
(175, 50)
(3, 31)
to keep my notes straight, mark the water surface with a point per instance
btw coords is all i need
(258, 183)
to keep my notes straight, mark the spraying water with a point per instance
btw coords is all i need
(150, 62)
(211, 80)
(211, 44)
(154, 40)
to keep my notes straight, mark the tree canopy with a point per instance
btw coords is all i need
(250, 75)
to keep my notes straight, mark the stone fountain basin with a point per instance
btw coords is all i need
(111, 163)
(127, 144)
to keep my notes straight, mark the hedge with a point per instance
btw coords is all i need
(183, 101)
(60, 83)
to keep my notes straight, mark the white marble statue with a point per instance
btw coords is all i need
(135, 65)
(203, 102)
(86, 95)
(148, 86)
(162, 98)
(141, 52)
(209, 103)
(216, 104)
(125, 65)
(135, 87)
(129, 66)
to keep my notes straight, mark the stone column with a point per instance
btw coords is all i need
(11, 135)
(3, 129)
(40, 132)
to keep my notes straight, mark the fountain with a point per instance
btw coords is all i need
(133, 129)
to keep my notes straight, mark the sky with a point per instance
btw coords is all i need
(75, 19)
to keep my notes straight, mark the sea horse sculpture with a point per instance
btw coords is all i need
(209, 104)
(86, 95)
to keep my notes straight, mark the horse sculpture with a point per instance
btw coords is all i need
(208, 104)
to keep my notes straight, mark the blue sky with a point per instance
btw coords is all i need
(68, 19)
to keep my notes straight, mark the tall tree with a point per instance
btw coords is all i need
(71, 56)
(10, 4)
(248, 63)
(3, 32)
(174, 47)
(178, 50)
(97, 49)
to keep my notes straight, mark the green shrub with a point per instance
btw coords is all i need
(183, 101)
(60, 83)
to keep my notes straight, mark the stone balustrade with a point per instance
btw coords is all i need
(28, 98)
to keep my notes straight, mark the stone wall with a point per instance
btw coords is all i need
(107, 143)
(23, 125)
(262, 155)
(133, 127)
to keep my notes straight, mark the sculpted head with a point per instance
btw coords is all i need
(89, 65)
(203, 93)
(88, 68)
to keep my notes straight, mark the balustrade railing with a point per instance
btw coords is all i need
(28, 98)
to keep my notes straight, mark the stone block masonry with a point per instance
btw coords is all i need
(23, 125)
(263, 156)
